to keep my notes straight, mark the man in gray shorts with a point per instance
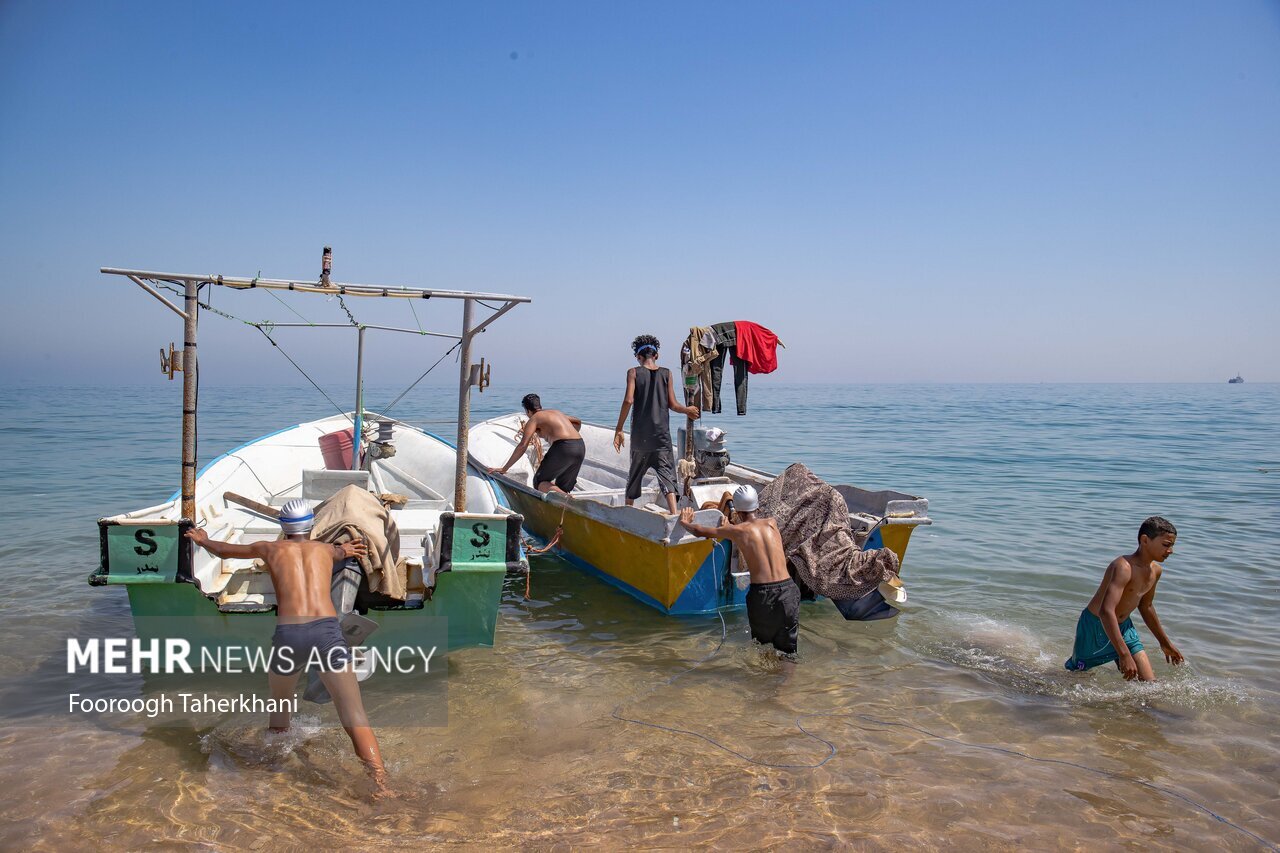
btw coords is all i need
(301, 570)
(650, 391)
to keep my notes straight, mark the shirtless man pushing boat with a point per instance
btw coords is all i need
(306, 623)
(559, 469)
(773, 601)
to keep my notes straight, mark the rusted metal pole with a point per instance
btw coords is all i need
(464, 412)
(189, 380)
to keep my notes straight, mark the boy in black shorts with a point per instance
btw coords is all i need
(773, 601)
(559, 469)
(653, 396)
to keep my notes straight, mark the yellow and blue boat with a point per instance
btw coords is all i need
(643, 550)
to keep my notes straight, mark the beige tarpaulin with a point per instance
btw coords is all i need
(354, 512)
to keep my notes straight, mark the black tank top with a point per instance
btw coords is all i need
(650, 414)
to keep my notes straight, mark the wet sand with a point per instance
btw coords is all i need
(533, 753)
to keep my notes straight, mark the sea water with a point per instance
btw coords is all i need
(597, 720)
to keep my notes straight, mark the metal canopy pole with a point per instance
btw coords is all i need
(357, 429)
(158, 295)
(189, 381)
(341, 289)
(464, 412)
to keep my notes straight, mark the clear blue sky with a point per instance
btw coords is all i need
(904, 191)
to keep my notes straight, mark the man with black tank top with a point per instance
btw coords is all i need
(650, 392)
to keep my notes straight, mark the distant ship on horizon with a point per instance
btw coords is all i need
(1236, 381)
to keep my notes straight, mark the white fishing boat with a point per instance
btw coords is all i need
(642, 549)
(451, 534)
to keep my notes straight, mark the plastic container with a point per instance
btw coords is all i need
(335, 447)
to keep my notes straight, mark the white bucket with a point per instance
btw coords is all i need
(742, 580)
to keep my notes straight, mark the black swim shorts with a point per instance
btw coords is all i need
(293, 645)
(562, 464)
(773, 609)
(663, 465)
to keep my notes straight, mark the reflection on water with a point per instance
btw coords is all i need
(956, 725)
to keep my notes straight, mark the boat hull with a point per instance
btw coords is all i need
(686, 578)
(462, 613)
(675, 579)
(176, 591)
(646, 553)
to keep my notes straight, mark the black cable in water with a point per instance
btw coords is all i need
(724, 633)
(832, 749)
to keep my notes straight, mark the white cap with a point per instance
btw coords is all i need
(296, 517)
(745, 499)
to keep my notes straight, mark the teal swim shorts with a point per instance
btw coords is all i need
(1092, 646)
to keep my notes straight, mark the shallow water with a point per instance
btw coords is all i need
(951, 727)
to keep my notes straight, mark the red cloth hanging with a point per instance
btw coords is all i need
(757, 346)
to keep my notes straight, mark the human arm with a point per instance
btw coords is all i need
(526, 435)
(627, 400)
(691, 411)
(1147, 607)
(351, 548)
(228, 550)
(577, 422)
(1120, 574)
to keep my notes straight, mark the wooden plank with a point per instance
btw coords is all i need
(248, 503)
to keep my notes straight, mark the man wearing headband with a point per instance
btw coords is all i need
(650, 391)
(306, 623)
(773, 601)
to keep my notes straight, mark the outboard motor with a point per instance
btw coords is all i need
(709, 452)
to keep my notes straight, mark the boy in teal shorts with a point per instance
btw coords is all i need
(1105, 632)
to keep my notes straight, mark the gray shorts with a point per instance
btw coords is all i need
(293, 645)
(663, 466)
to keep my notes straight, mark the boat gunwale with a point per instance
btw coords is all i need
(763, 477)
(169, 512)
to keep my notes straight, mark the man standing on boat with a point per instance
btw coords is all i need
(650, 391)
(773, 601)
(306, 623)
(559, 469)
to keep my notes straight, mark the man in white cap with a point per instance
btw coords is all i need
(306, 624)
(773, 601)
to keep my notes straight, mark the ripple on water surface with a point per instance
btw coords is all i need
(1033, 490)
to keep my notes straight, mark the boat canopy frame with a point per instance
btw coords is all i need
(192, 282)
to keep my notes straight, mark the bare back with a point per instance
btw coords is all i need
(760, 544)
(301, 572)
(553, 425)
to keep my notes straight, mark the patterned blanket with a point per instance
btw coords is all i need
(814, 521)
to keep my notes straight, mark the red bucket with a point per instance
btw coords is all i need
(335, 447)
